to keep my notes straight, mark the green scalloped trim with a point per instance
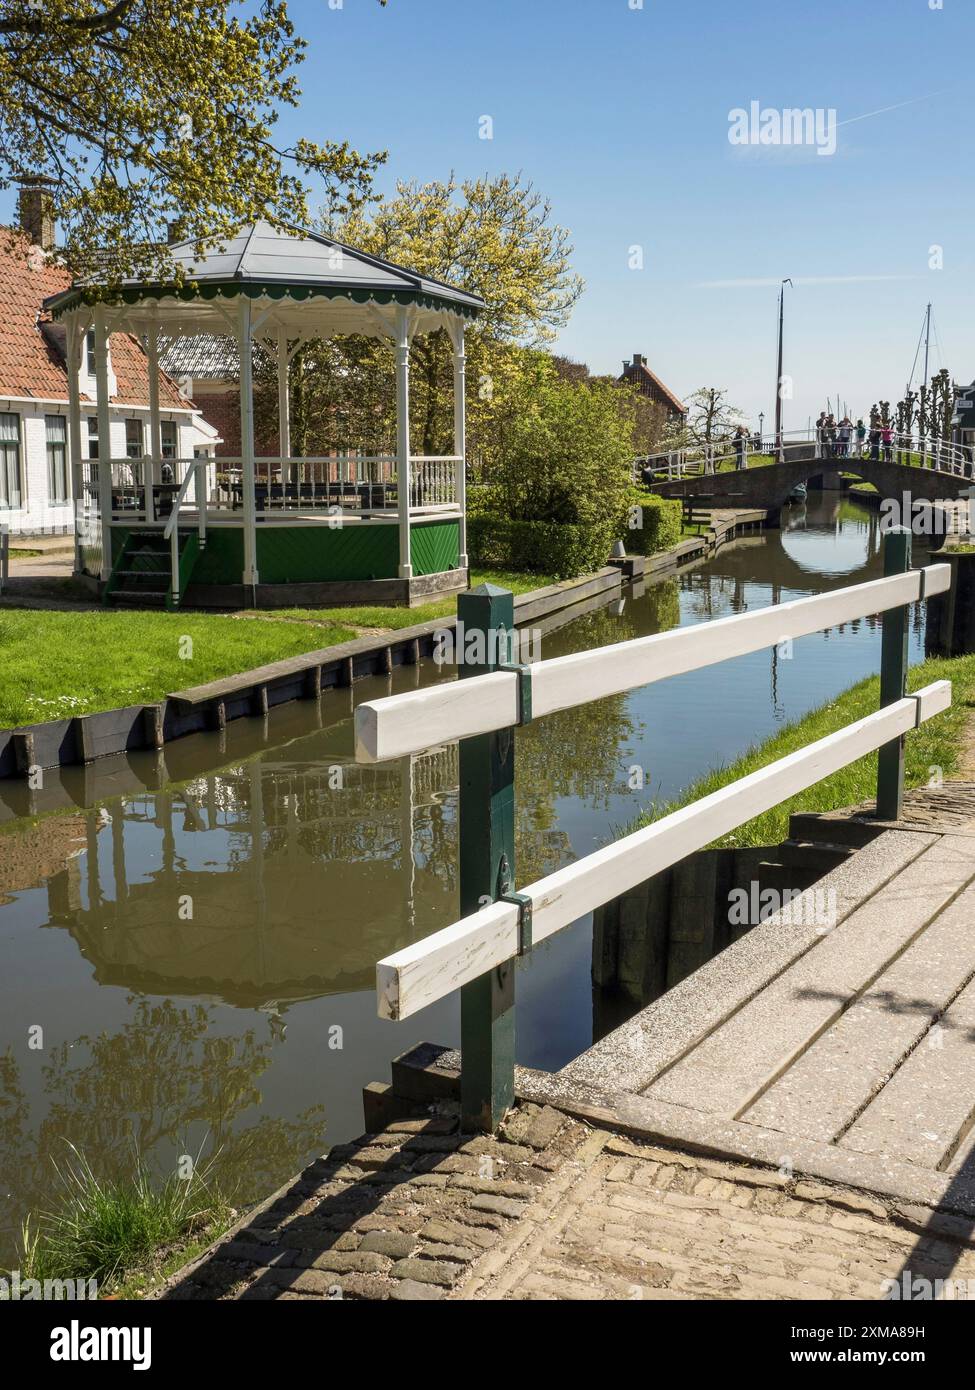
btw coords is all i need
(230, 289)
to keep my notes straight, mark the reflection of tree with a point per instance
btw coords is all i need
(161, 1082)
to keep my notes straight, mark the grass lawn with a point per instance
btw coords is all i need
(938, 744)
(392, 619)
(60, 664)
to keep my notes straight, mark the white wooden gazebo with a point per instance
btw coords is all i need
(279, 530)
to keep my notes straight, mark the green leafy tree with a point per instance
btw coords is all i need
(493, 236)
(566, 454)
(143, 112)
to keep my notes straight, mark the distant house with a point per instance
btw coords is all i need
(649, 384)
(963, 420)
(38, 476)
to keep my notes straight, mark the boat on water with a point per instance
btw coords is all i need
(798, 493)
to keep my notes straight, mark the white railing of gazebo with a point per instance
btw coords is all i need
(332, 483)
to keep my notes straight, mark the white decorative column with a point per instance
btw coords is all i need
(75, 338)
(289, 472)
(460, 440)
(403, 471)
(104, 440)
(155, 431)
(247, 442)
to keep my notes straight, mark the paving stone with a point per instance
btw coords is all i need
(411, 1290)
(461, 1254)
(395, 1244)
(501, 1206)
(544, 1128)
(345, 1262)
(426, 1271)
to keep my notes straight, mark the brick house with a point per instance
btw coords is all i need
(38, 477)
(650, 385)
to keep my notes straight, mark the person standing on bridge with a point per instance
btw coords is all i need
(861, 436)
(887, 438)
(844, 435)
(741, 447)
(821, 435)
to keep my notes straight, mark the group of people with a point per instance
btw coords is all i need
(846, 440)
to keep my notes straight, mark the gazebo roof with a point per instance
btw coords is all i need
(263, 262)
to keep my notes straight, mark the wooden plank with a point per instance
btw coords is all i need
(413, 721)
(925, 1109)
(732, 1067)
(824, 1091)
(429, 969)
(631, 1057)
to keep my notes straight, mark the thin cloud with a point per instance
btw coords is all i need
(763, 282)
(882, 110)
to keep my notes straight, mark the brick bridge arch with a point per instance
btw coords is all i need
(769, 486)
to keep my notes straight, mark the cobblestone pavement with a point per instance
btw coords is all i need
(553, 1210)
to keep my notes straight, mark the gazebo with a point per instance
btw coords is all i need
(269, 531)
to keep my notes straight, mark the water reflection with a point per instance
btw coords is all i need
(190, 940)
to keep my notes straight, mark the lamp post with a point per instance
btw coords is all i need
(761, 428)
(779, 446)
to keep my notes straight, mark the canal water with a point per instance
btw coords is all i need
(188, 966)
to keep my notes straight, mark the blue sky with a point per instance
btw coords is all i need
(620, 116)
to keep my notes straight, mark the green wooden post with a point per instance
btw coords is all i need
(487, 857)
(893, 678)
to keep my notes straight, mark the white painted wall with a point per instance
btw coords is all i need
(38, 514)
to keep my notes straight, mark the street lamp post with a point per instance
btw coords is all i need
(779, 443)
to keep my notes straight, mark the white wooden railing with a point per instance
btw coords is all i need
(486, 704)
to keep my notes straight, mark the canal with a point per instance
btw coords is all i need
(189, 966)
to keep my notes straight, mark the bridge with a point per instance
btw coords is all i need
(791, 1119)
(928, 472)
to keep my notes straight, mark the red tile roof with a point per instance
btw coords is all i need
(32, 360)
(629, 374)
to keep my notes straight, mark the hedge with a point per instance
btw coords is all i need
(654, 524)
(545, 547)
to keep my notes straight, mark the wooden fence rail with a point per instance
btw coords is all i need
(477, 953)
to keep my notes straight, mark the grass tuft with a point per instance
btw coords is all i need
(938, 748)
(107, 1230)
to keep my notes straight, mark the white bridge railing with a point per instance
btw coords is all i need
(720, 455)
(475, 954)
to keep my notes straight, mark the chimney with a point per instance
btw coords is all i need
(173, 233)
(638, 359)
(35, 209)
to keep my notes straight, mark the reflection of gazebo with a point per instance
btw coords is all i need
(304, 891)
(281, 530)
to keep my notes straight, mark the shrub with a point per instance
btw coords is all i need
(566, 455)
(653, 523)
(562, 549)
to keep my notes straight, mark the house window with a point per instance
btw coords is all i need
(92, 436)
(9, 460)
(90, 352)
(169, 439)
(56, 430)
(134, 447)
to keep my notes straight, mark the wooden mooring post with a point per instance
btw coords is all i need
(487, 863)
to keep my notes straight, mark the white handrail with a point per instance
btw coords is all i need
(197, 470)
(420, 974)
(419, 719)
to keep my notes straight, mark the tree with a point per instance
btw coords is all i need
(496, 238)
(143, 112)
(566, 454)
(709, 416)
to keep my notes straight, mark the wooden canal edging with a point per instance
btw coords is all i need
(83, 738)
(477, 954)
